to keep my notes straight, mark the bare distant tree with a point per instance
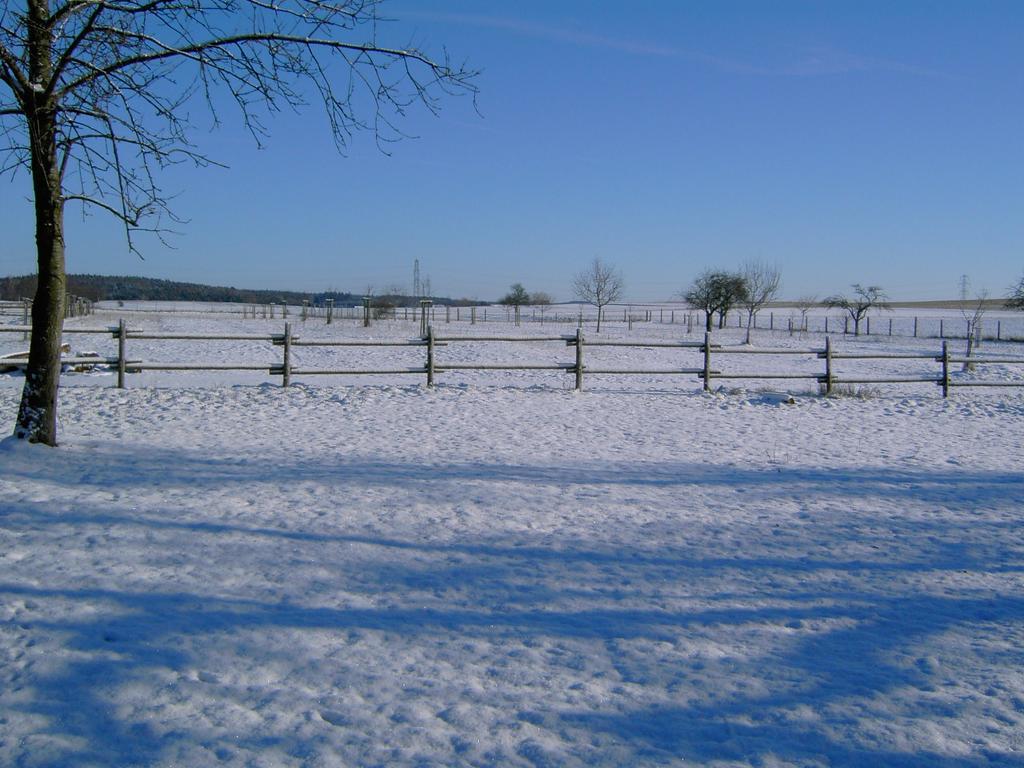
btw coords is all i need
(972, 308)
(1016, 298)
(864, 299)
(761, 285)
(805, 304)
(599, 284)
(98, 96)
(541, 299)
(714, 292)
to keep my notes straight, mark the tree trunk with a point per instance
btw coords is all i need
(968, 366)
(598, 319)
(708, 319)
(37, 414)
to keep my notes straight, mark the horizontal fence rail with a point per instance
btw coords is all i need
(827, 379)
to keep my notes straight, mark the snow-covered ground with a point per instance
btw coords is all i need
(213, 569)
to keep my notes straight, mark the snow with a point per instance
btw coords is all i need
(213, 569)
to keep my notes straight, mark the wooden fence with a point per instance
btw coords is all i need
(828, 378)
(74, 306)
(776, 320)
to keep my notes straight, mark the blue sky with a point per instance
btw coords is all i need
(876, 142)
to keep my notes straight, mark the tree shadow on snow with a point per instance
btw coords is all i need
(645, 587)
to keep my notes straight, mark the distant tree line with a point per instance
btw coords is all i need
(112, 288)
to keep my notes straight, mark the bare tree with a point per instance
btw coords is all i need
(97, 96)
(761, 285)
(541, 299)
(599, 284)
(1016, 298)
(864, 299)
(972, 308)
(804, 305)
(714, 292)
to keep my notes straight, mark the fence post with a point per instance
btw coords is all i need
(25, 318)
(999, 330)
(425, 316)
(942, 329)
(828, 365)
(472, 315)
(826, 325)
(121, 337)
(890, 326)
(330, 310)
(707, 362)
(915, 326)
(286, 369)
(430, 355)
(869, 325)
(945, 369)
(579, 359)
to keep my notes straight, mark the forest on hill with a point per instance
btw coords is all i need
(114, 288)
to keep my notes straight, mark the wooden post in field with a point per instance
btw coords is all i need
(915, 326)
(122, 334)
(579, 359)
(305, 309)
(430, 356)
(366, 311)
(869, 325)
(999, 330)
(286, 368)
(424, 316)
(472, 315)
(942, 329)
(828, 365)
(707, 362)
(945, 369)
(330, 311)
(890, 326)
(826, 325)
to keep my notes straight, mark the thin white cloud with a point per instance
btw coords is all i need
(816, 62)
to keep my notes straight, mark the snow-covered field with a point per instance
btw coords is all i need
(215, 570)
